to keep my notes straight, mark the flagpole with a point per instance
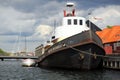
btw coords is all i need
(89, 17)
(90, 32)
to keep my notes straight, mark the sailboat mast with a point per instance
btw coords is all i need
(25, 46)
(54, 26)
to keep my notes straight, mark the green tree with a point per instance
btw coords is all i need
(3, 53)
(108, 26)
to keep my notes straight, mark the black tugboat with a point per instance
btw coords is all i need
(74, 45)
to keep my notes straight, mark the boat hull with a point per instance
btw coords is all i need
(75, 52)
(28, 63)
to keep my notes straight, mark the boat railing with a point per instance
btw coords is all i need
(75, 40)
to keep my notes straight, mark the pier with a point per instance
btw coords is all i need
(18, 57)
(112, 61)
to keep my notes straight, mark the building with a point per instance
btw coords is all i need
(111, 39)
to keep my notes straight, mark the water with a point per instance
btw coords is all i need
(12, 70)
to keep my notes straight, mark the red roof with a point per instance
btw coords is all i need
(111, 34)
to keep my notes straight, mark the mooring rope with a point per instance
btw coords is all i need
(90, 53)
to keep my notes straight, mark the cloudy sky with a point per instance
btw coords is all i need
(34, 19)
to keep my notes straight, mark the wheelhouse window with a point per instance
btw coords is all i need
(69, 21)
(75, 21)
(80, 22)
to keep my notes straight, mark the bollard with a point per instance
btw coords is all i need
(115, 64)
(107, 64)
(111, 64)
(103, 63)
(119, 64)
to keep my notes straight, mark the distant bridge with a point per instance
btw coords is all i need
(18, 57)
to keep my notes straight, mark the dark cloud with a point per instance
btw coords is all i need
(85, 4)
(27, 6)
(32, 5)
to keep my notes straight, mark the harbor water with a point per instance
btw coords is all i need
(12, 70)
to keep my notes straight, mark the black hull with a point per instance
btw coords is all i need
(74, 52)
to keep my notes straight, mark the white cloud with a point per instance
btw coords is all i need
(16, 43)
(6, 42)
(12, 20)
(110, 15)
(43, 31)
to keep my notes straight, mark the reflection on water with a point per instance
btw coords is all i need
(12, 70)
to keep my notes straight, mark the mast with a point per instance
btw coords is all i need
(90, 31)
(19, 40)
(25, 46)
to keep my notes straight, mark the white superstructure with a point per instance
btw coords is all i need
(71, 24)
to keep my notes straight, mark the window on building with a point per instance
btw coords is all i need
(81, 22)
(107, 45)
(115, 45)
(75, 21)
(69, 21)
(118, 44)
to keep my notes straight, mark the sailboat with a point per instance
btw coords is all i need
(74, 45)
(27, 62)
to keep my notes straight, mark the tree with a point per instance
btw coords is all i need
(109, 26)
(3, 53)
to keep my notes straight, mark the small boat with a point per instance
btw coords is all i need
(28, 63)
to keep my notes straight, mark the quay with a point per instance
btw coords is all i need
(112, 61)
(18, 57)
